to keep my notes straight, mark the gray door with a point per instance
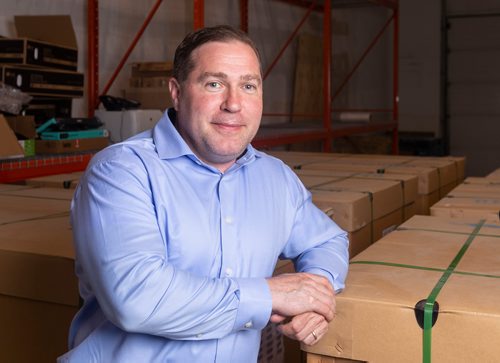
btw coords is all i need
(473, 87)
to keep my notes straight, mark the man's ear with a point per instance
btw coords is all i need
(175, 89)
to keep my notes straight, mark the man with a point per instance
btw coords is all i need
(177, 230)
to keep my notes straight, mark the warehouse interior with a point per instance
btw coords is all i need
(408, 84)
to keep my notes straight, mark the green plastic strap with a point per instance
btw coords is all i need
(429, 305)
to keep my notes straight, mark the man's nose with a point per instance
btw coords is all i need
(232, 100)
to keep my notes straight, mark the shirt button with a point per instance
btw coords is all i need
(199, 335)
(229, 220)
(229, 271)
(248, 325)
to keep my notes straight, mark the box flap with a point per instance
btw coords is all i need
(9, 147)
(56, 29)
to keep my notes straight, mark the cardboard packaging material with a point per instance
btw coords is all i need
(17, 208)
(38, 289)
(380, 314)
(469, 204)
(297, 159)
(151, 98)
(68, 146)
(9, 147)
(481, 180)
(351, 211)
(48, 194)
(494, 175)
(386, 199)
(23, 125)
(45, 41)
(65, 181)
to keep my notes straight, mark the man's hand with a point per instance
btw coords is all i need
(307, 328)
(297, 293)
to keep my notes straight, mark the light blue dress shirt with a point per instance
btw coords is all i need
(172, 255)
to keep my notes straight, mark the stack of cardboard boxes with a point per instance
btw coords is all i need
(149, 84)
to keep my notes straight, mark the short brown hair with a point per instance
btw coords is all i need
(183, 64)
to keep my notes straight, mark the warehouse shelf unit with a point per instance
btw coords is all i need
(327, 131)
(268, 136)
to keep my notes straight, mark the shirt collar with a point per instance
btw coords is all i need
(170, 144)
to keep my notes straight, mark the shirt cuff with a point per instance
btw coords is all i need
(255, 305)
(338, 286)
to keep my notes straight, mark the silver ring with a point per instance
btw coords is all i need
(314, 335)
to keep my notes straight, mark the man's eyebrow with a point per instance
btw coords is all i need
(251, 77)
(222, 75)
(206, 75)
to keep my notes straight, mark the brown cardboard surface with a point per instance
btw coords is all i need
(359, 240)
(375, 319)
(428, 177)
(16, 208)
(480, 180)
(386, 224)
(23, 125)
(65, 181)
(447, 169)
(350, 210)
(409, 183)
(467, 206)
(37, 264)
(9, 147)
(33, 331)
(67, 146)
(476, 190)
(409, 210)
(312, 181)
(296, 159)
(56, 29)
(387, 195)
(424, 202)
(494, 175)
(48, 194)
(150, 97)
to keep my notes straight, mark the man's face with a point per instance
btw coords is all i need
(219, 106)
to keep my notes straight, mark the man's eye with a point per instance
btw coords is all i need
(250, 87)
(213, 85)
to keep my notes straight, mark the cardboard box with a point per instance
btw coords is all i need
(9, 147)
(150, 98)
(43, 81)
(38, 286)
(68, 146)
(38, 289)
(379, 314)
(65, 181)
(23, 125)
(351, 211)
(465, 206)
(43, 41)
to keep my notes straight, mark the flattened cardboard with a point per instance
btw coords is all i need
(56, 29)
(9, 147)
(375, 319)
